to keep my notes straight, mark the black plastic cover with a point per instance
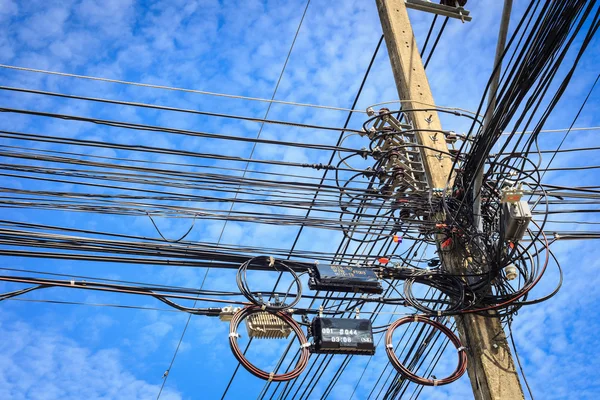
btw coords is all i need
(344, 278)
(342, 336)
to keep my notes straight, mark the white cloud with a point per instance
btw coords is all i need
(43, 25)
(8, 8)
(239, 48)
(36, 363)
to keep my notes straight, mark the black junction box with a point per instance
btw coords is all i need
(342, 336)
(344, 278)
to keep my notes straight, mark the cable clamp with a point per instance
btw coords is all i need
(461, 348)
(271, 261)
(234, 334)
(305, 345)
(271, 375)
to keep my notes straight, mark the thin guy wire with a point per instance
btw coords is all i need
(203, 92)
(260, 130)
(243, 175)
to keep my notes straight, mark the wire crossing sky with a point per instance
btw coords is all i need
(145, 143)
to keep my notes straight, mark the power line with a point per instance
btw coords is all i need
(250, 157)
(148, 85)
(165, 108)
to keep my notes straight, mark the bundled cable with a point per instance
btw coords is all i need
(277, 265)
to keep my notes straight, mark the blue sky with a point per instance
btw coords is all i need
(51, 351)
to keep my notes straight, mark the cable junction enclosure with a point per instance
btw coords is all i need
(342, 336)
(264, 325)
(515, 220)
(344, 278)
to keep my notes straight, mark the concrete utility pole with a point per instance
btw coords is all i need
(506, 10)
(491, 368)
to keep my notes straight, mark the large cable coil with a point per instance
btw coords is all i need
(389, 349)
(272, 376)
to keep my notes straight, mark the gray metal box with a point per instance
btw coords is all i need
(264, 325)
(515, 220)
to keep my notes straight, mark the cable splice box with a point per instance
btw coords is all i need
(264, 325)
(344, 278)
(516, 218)
(342, 336)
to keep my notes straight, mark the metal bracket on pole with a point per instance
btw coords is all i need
(403, 160)
(440, 9)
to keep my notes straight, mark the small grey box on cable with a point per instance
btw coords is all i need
(515, 220)
(342, 336)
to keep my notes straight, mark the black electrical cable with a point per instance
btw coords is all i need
(166, 108)
(276, 265)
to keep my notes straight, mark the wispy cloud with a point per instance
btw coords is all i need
(237, 47)
(40, 364)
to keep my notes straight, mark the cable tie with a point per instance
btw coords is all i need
(389, 346)
(304, 345)
(461, 348)
(415, 318)
(234, 334)
(263, 307)
(435, 382)
(271, 261)
(271, 375)
(72, 283)
(439, 313)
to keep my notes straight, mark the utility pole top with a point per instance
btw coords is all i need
(414, 91)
